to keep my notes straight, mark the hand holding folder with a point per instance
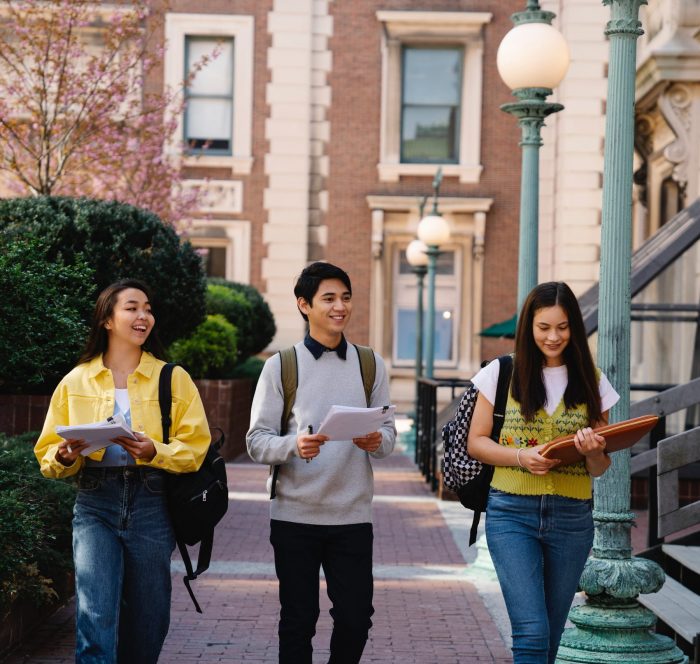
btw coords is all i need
(618, 436)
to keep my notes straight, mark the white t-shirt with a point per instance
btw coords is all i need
(555, 382)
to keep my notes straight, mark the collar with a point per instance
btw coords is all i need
(145, 368)
(317, 349)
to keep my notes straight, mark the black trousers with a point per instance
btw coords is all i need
(345, 553)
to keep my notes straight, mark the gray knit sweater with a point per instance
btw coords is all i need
(336, 487)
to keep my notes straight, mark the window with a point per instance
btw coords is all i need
(432, 80)
(405, 311)
(431, 91)
(217, 125)
(209, 97)
(213, 261)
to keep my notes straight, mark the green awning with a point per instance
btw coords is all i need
(504, 329)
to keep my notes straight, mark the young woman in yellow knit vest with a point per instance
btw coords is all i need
(539, 524)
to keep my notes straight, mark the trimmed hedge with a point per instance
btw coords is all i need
(211, 352)
(255, 329)
(42, 315)
(35, 526)
(117, 240)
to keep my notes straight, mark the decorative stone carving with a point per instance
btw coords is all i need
(219, 196)
(622, 578)
(675, 105)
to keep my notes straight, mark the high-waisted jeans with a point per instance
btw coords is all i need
(539, 545)
(122, 543)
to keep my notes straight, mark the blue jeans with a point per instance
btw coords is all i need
(539, 545)
(345, 553)
(122, 544)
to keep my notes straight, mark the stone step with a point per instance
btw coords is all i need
(677, 607)
(688, 556)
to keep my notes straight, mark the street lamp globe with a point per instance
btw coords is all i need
(533, 55)
(416, 254)
(433, 230)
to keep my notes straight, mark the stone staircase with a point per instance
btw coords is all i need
(677, 604)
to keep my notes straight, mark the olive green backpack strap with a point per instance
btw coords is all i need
(368, 369)
(290, 377)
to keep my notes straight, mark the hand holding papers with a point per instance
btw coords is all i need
(97, 434)
(348, 422)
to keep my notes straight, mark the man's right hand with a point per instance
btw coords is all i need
(309, 444)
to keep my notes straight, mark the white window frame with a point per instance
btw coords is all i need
(417, 28)
(235, 238)
(448, 293)
(241, 29)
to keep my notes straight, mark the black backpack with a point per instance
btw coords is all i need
(196, 501)
(468, 478)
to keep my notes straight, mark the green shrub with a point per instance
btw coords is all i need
(235, 308)
(35, 526)
(211, 352)
(255, 330)
(42, 315)
(117, 241)
(251, 368)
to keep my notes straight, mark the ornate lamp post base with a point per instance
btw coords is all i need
(616, 630)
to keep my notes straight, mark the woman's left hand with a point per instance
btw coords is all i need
(589, 443)
(141, 448)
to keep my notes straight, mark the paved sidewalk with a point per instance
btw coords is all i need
(431, 608)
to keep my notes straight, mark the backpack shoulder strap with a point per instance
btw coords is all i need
(290, 381)
(368, 369)
(289, 373)
(165, 398)
(505, 372)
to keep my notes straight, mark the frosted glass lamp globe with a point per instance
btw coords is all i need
(533, 55)
(415, 254)
(433, 230)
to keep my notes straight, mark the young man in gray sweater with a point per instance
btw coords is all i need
(322, 513)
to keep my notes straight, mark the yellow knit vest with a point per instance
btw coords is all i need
(572, 481)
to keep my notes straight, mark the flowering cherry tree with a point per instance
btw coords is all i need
(79, 114)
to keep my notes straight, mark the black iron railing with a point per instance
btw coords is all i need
(427, 422)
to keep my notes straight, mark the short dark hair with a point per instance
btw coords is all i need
(528, 384)
(311, 277)
(104, 307)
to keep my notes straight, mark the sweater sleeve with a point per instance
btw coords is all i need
(380, 397)
(263, 440)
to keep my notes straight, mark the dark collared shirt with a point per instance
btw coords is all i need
(317, 349)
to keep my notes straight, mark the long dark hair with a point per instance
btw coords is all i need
(104, 307)
(527, 386)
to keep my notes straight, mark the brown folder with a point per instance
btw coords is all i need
(618, 436)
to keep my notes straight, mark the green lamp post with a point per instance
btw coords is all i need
(433, 230)
(532, 60)
(612, 626)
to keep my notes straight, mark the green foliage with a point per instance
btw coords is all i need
(35, 526)
(235, 308)
(117, 241)
(211, 352)
(42, 313)
(251, 368)
(256, 329)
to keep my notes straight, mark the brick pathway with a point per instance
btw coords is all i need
(431, 608)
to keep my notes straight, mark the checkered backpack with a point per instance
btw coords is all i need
(468, 478)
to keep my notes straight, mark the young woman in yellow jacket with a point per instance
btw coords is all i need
(122, 536)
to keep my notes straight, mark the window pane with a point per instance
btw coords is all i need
(216, 77)
(406, 334)
(432, 76)
(208, 123)
(213, 260)
(429, 134)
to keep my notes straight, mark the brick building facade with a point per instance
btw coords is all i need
(321, 164)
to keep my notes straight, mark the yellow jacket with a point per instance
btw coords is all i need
(86, 395)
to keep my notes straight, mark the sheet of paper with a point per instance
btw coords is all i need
(97, 434)
(347, 422)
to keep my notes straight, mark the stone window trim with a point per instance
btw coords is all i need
(232, 234)
(402, 28)
(241, 29)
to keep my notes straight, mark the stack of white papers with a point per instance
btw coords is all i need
(348, 422)
(97, 434)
